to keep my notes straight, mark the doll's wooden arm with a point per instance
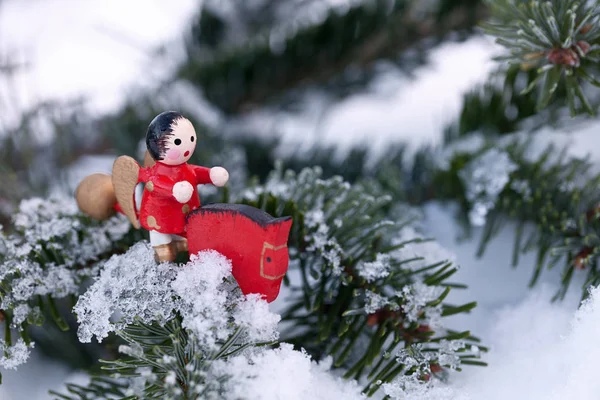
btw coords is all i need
(218, 176)
(202, 174)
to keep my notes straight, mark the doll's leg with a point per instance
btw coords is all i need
(180, 243)
(163, 246)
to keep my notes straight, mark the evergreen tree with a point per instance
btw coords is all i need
(365, 287)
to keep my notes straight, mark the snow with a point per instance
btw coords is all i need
(540, 351)
(416, 303)
(283, 373)
(485, 178)
(63, 43)
(132, 286)
(371, 271)
(259, 323)
(395, 108)
(53, 220)
(15, 355)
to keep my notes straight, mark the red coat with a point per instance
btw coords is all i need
(160, 211)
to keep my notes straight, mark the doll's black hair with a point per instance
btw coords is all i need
(159, 130)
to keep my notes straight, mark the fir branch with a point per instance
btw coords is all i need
(500, 106)
(366, 292)
(49, 255)
(273, 62)
(557, 193)
(175, 321)
(369, 296)
(558, 38)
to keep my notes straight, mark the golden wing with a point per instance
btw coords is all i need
(125, 178)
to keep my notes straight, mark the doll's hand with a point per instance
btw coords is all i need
(219, 176)
(182, 191)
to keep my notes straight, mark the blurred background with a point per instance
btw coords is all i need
(261, 80)
(364, 88)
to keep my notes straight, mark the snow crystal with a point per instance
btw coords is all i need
(44, 219)
(203, 300)
(320, 240)
(20, 314)
(282, 373)
(371, 271)
(485, 178)
(447, 353)
(410, 387)
(374, 302)
(50, 228)
(135, 350)
(132, 285)
(417, 297)
(137, 384)
(171, 378)
(260, 324)
(15, 355)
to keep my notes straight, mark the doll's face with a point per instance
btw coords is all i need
(180, 145)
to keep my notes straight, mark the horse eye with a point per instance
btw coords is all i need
(192, 138)
(177, 142)
(268, 259)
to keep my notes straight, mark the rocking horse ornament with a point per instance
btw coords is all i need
(254, 241)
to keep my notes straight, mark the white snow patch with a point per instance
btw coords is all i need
(202, 291)
(283, 373)
(63, 43)
(416, 114)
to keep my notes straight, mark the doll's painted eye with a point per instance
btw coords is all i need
(192, 138)
(177, 142)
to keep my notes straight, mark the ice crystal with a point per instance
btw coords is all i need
(204, 297)
(45, 255)
(283, 373)
(137, 384)
(20, 314)
(371, 271)
(15, 355)
(485, 178)
(447, 353)
(134, 287)
(419, 385)
(416, 303)
(135, 350)
(320, 239)
(253, 314)
(374, 302)
(411, 387)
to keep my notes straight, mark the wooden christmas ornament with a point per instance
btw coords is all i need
(170, 190)
(254, 241)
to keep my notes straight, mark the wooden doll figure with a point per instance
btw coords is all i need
(170, 191)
